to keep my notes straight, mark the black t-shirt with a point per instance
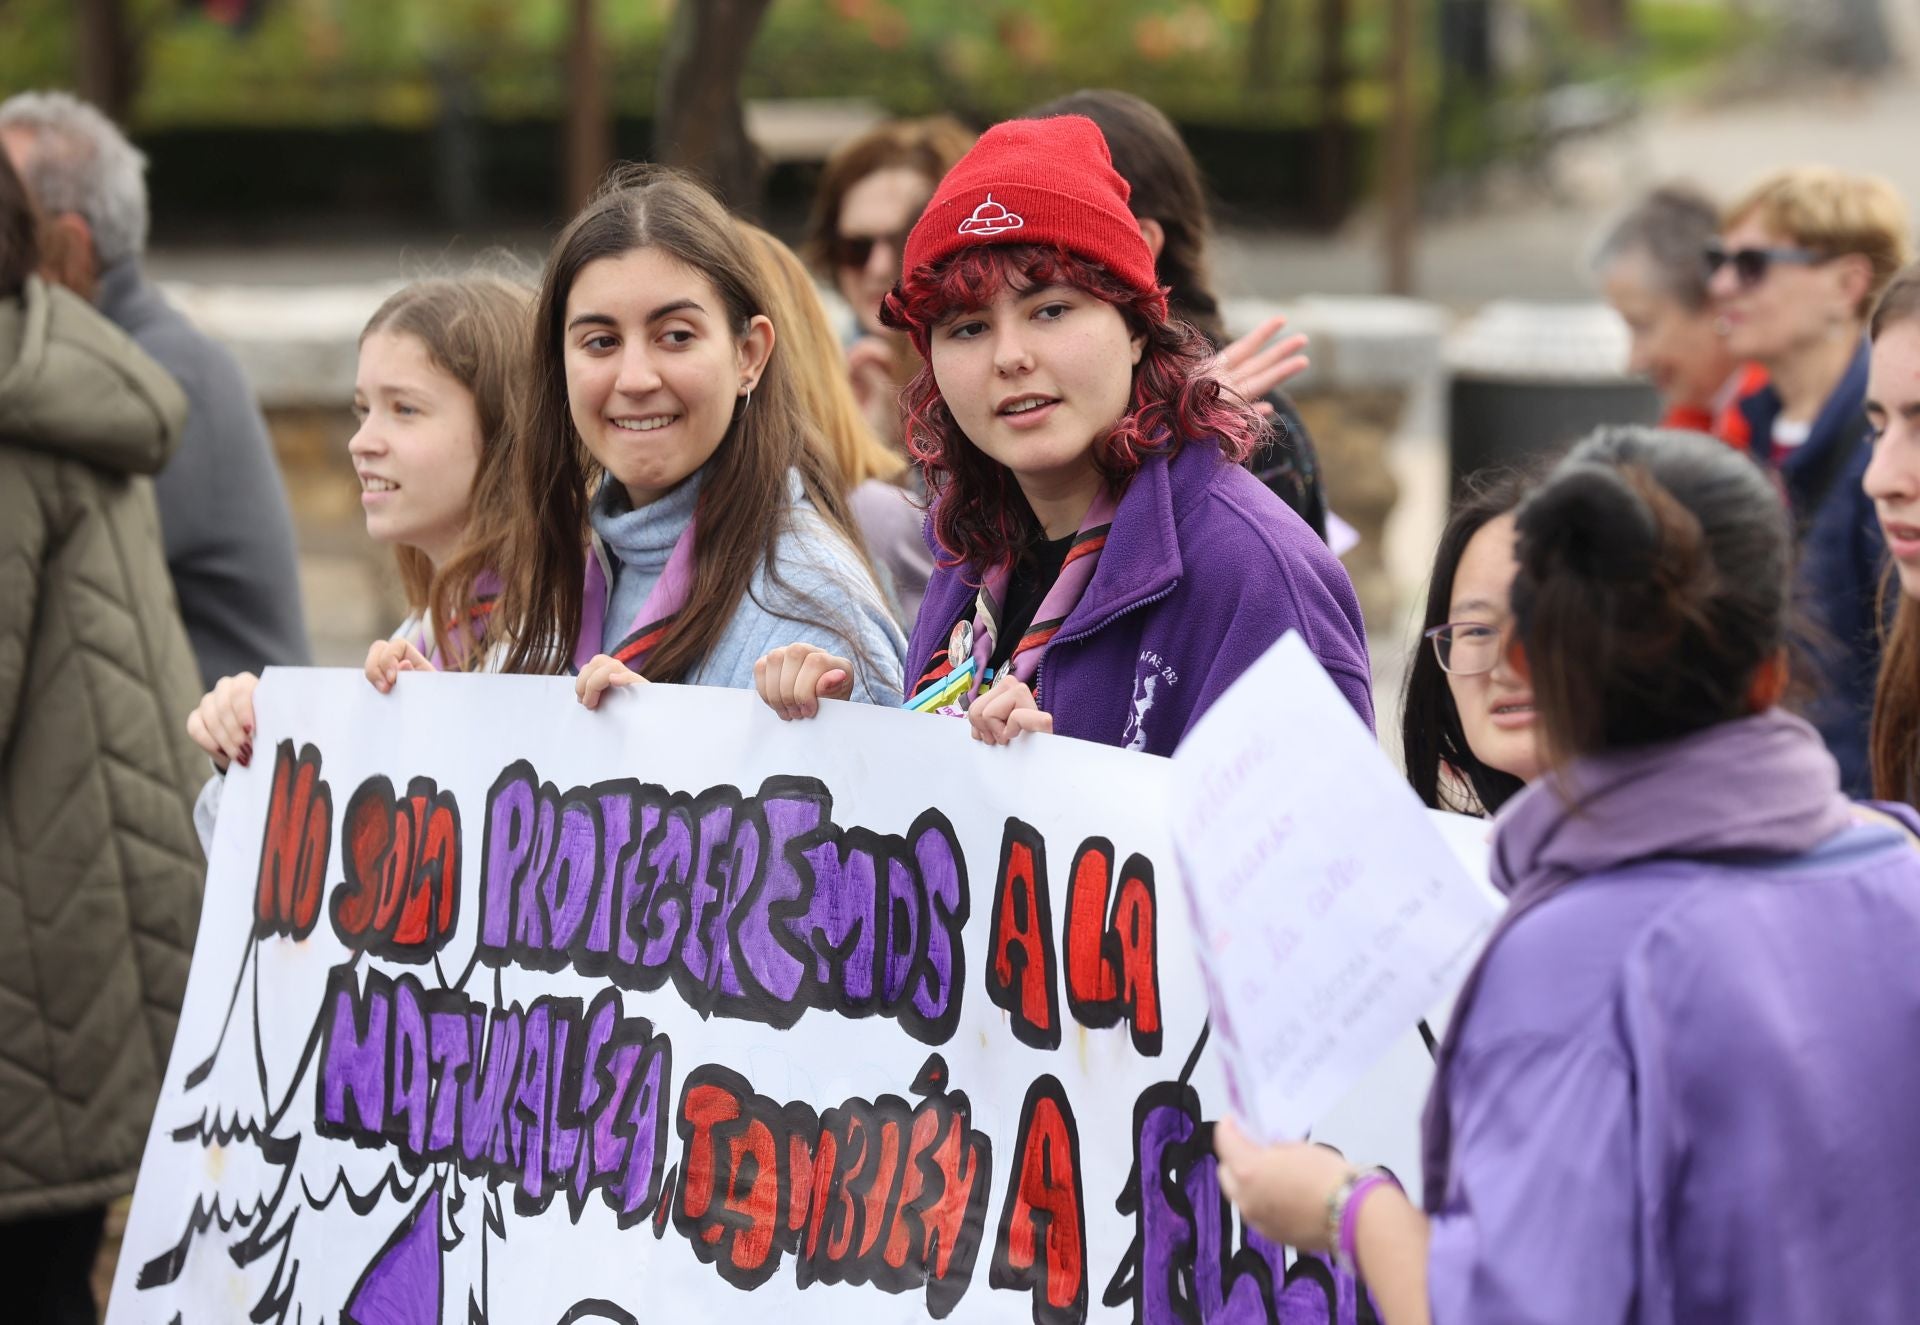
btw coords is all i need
(1034, 572)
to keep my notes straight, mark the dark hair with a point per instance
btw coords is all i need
(1653, 583)
(1431, 736)
(1151, 156)
(930, 146)
(1671, 228)
(979, 514)
(19, 231)
(1895, 742)
(529, 525)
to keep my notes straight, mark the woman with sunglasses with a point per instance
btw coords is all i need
(1647, 262)
(872, 191)
(1467, 717)
(1800, 262)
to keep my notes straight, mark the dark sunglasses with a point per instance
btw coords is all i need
(1750, 264)
(857, 250)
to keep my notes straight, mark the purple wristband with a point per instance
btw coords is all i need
(1345, 1252)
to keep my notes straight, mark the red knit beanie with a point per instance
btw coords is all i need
(1046, 182)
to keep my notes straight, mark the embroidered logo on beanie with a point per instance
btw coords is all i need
(990, 219)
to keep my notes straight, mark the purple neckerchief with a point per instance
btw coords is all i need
(486, 592)
(1755, 787)
(655, 618)
(1061, 597)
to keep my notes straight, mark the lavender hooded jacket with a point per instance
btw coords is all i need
(1203, 570)
(1683, 1085)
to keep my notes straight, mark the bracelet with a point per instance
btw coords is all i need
(1343, 1214)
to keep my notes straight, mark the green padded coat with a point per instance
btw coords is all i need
(100, 871)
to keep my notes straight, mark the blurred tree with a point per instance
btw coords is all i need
(1401, 160)
(589, 130)
(1266, 35)
(1330, 151)
(1605, 22)
(106, 72)
(699, 123)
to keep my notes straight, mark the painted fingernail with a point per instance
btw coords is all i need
(246, 754)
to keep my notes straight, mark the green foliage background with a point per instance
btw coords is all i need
(340, 62)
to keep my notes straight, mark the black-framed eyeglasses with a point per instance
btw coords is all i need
(1750, 264)
(1466, 648)
(857, 250)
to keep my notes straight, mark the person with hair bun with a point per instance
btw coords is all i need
(1679, 1085)
(1798, 265)
(1106, 565)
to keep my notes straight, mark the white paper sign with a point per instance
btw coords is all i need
(504, 1011)
(1334, 915)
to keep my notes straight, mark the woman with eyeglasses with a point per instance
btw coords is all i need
(1800, 261)
(1467, 717)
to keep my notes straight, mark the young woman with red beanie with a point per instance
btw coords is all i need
(1105, 565)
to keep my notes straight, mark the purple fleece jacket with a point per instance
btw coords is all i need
(1203, 570)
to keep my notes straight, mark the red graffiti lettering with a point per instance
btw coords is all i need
(295, 847)
(858, 1194)
(1020, 977)
(1113, 956)
(400, 896)
(1042, 1247)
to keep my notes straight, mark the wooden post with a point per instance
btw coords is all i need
(589, 148)
(1329, 187)
(1401, 159)
(699, 121)
(104, 56)
(1606, 22)
(1263, 40)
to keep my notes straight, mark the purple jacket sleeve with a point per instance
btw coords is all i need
(1540, 1220)
(1287, 580)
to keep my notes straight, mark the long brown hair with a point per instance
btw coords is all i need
(819, 373)
(530, 523)
(1895, 739)
(474, 329)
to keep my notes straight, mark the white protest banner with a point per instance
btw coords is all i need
(505, 1011)
(1324, 892)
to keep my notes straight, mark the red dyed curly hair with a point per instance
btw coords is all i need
(979, 514)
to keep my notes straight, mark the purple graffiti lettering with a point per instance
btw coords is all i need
(547, 1099)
